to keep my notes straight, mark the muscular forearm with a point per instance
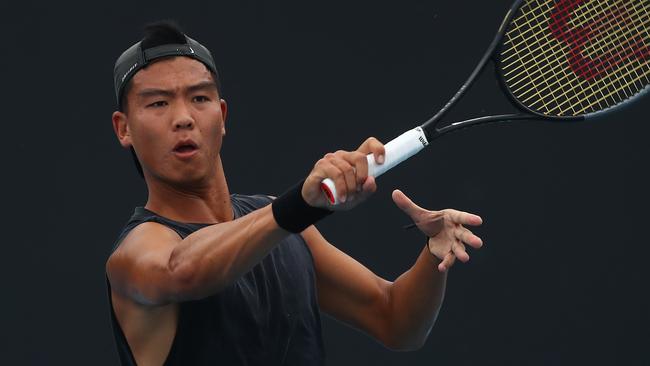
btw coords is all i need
(415, 299)
(212, 258)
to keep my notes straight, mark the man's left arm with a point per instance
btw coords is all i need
(398, 314)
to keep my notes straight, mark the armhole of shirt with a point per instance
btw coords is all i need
(123, 344)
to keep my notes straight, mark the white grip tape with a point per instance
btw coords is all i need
(397, 150)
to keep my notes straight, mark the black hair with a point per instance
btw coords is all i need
(157, 34)
(162, 32)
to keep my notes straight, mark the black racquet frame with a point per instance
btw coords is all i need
(430, 127)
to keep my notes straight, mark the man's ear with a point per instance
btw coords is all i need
(121, 129)
(224, 113)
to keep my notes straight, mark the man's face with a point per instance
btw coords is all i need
(174, 120)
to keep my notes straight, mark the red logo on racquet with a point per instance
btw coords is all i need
(616, 19)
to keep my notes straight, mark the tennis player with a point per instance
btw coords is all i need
(200, 276)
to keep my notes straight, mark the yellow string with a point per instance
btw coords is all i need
(553, 60)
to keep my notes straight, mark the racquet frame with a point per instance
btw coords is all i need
(412, 141)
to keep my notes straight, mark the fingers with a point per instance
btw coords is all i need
(348, 180)
(453, 245)
(466, 236)
(348, 171)
(360, 163)
(447, 262)
(462, 236)
(369, 186)
(374, 147)
(329, 170)
(459, 251)
(406, 205)
(464, 218)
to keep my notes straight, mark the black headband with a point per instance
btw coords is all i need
(135, 58)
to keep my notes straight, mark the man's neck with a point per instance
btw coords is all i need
(209, 203)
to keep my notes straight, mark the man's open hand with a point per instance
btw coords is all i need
(445, 229)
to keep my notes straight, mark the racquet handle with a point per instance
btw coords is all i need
(397, 150)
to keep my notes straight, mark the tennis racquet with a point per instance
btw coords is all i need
(556, 60)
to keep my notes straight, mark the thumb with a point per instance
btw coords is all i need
(405, 204)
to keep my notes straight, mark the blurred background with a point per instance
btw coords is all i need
(561, 279)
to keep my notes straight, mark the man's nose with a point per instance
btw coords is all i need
(183, 118)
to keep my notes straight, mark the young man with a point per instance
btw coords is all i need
(202, 277)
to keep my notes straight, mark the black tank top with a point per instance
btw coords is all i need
(270, 316)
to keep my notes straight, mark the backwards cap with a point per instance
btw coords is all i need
(135, 58)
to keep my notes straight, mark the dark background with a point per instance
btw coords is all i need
(560, 281)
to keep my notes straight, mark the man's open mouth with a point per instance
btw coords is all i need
(185, 147)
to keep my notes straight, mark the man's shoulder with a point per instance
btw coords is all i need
(145, 236)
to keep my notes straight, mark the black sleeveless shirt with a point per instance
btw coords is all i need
(269, 316)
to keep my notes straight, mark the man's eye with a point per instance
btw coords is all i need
(201, 99)
(160, 103)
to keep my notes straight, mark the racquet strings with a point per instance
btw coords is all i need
(576, 57)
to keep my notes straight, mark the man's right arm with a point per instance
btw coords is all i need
(154, 266)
